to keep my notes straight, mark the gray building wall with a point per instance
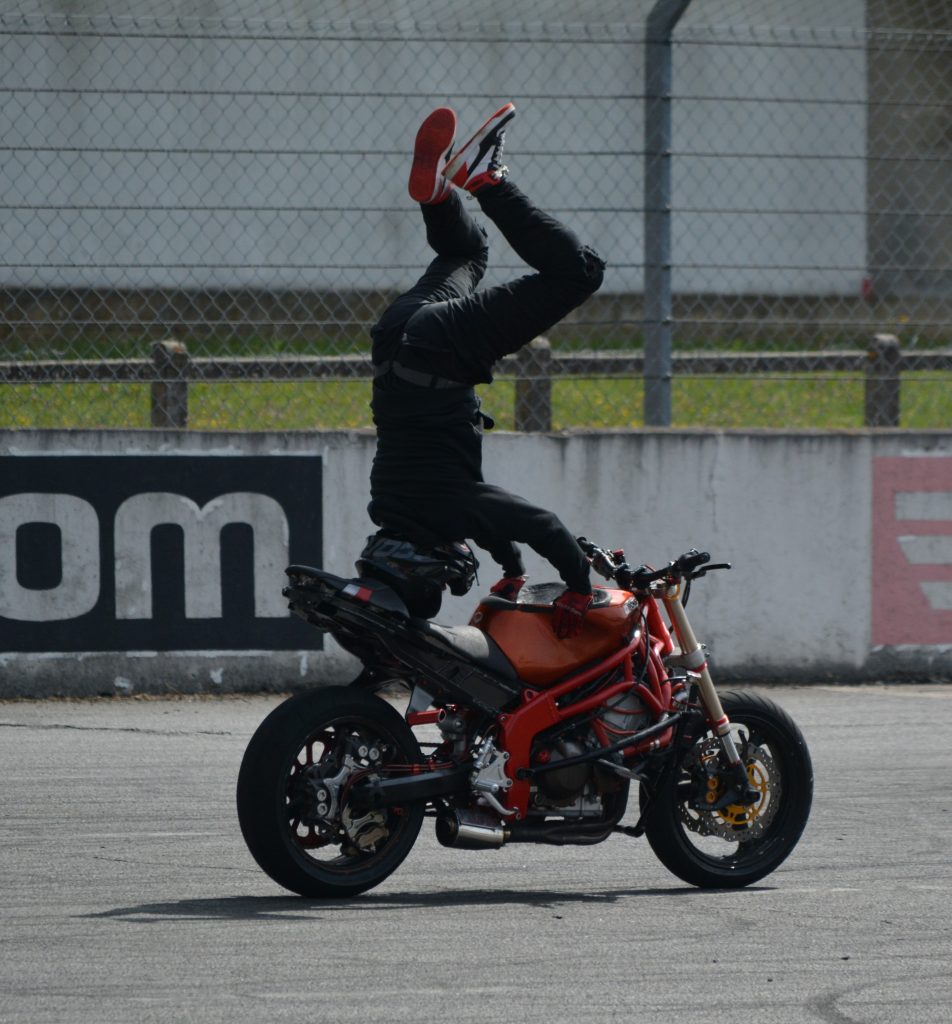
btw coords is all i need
(217, 146)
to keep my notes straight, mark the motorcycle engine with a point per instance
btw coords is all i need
(562, 786)
(628, 714)
(581, 786)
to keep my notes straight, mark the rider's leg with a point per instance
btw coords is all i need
(456, 238)
(479, 329)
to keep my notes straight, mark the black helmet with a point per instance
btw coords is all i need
(416, 572)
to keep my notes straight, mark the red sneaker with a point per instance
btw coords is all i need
(434, 140)
(478, 162)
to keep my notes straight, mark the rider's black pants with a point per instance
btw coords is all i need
(461, 331)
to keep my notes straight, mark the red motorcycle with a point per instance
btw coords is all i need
(523, 738)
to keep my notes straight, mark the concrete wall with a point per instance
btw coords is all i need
(841, 544)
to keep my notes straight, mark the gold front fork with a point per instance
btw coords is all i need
(693, 658)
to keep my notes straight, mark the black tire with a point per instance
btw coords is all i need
(736, 845)
(294, 756)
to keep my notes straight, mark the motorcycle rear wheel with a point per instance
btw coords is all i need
(735, 845)
(292, 786)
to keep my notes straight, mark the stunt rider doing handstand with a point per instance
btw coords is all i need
(442, 337)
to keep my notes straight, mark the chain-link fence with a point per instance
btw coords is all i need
(204, 209)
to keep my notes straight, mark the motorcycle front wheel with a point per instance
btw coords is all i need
(292, 793)
(732, 845)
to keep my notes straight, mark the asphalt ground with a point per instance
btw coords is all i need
(128, 895)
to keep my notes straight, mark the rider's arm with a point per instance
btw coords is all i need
(506, 518)
(506, 554)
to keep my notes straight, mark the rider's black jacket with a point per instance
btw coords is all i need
(429, 350)
(427, 473)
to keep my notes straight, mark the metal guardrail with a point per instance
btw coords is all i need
(171, 370)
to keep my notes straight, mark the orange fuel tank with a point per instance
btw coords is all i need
(524, 630)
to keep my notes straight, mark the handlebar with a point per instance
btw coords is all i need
(692, 565)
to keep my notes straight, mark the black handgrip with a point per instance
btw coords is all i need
(690, 560)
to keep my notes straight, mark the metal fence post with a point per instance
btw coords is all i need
(533, 409)
(883, 381)
(657, 272)
(170, 386)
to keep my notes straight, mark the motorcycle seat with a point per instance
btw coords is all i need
(472, 644)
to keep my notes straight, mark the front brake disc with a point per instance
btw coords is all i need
(735, 822)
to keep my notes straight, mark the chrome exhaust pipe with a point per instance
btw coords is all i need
(470, 830)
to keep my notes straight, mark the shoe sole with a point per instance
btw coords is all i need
(434, 140)
(458, 163)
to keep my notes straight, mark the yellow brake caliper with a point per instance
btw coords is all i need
(739, 816)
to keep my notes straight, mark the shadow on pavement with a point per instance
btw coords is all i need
(250, 908)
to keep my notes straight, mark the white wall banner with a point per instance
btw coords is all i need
(154, 560)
